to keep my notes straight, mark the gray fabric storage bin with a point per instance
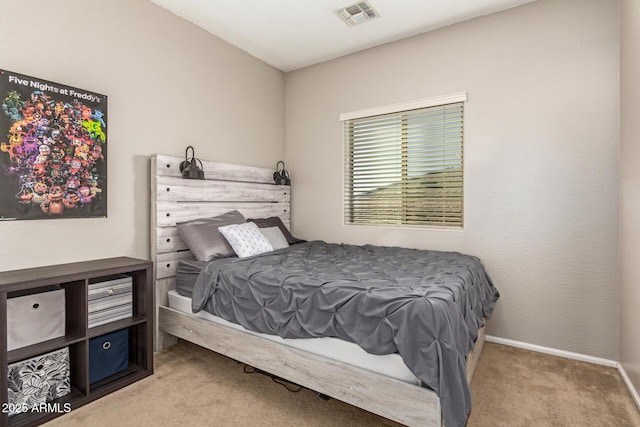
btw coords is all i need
(110, 300)
(35, 318)
(38, 380)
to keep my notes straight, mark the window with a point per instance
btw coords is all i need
(403, 164)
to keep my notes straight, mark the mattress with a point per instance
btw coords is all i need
(390, 365)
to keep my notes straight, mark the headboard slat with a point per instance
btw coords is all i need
(169, 214)
(171, 189)
(170, 166)
(168, 240)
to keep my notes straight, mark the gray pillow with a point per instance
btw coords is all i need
(203, 238)
(275, 237)
(275, 221)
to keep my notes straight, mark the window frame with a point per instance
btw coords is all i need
(438, 101)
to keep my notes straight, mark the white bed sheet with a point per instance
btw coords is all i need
(390, 365)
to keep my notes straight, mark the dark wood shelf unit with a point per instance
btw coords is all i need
(109, 385)
(75, 278)
(30, 351)
(114, 326)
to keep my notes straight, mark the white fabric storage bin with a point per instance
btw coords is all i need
(38, 380)
(35, 318)
(110, 300)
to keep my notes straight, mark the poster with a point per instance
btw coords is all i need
(53, 150)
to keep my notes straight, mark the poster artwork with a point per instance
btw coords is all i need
(53, 150)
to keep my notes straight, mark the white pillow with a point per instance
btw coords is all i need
(246, 239)
(275, 236)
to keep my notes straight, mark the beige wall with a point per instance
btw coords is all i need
(169, 85)
(630, 188)
(541, 159)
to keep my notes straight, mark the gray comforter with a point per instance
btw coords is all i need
(425, 305)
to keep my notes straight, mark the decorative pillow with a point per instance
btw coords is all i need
(246, 239)
(204, 239)
(275, 221)
(275, 237)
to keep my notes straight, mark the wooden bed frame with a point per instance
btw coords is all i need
(251, 191)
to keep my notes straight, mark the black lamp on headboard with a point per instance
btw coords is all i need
(189, 167)
(281, 176)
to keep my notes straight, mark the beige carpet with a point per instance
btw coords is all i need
(195, 387)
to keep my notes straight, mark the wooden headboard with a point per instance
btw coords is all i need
(227, 186)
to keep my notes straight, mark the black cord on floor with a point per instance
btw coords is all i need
(284, 383)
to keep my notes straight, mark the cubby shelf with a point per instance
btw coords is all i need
(75, 278)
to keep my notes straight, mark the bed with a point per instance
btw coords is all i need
(399, 396)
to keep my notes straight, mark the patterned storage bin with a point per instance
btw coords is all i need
(110, 300)
(108, 355)
(35, 318)
(38, 380)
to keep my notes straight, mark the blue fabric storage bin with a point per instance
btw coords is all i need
(108, 355)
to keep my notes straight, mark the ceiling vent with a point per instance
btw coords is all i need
(357, 13)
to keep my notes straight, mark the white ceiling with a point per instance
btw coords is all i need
(291, 34)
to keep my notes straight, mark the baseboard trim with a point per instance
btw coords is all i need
(575, 356)
(629, 384)
(553, 351)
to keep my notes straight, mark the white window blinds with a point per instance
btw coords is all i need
(405, 167)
